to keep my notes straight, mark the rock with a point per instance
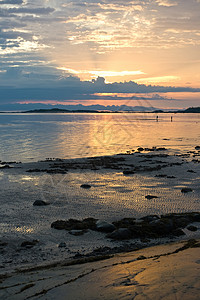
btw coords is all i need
(186, 190)
(5, 167)
(190, 217)
(178, 232)
(73, 224)
(141, 257)
(161, 149)
(59, 224)
(128, 172)
(40, 203)
(62, 245)
(149, 197)
(29, 244)
(104, 226)
(192, 228)
(191, 171)
(120, 234)
(125, 223)
(197, 147)
(77, 232)
(3, 244)
(150, 218)
(85, 186)
(161, 227)
(140, 149)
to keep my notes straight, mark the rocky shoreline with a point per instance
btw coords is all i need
(116, 236)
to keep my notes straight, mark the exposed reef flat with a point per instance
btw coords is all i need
(131, 162)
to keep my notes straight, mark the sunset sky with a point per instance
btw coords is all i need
(53, 51)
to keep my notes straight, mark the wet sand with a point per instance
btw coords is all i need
(166, 272)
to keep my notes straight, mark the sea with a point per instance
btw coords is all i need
(35, 136)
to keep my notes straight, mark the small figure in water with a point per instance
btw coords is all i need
(157, 118)
(171, 119)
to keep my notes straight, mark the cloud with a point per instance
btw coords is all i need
(102, 73)
(11, 2)
(59, 88)
(167, 3)
(36, 11)
(97, 35)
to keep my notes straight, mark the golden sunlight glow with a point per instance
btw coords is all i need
(105, 74)
(158, 80)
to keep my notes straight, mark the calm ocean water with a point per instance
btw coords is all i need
(28, 137)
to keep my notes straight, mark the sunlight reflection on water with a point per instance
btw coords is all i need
(38, 136)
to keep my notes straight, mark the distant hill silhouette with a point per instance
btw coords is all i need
(191, 110)
(57, 110)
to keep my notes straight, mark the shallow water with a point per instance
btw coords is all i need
(112, 196)
(26, 137)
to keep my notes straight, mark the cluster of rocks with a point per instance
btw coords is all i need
(151, 226)
(140, 149)
(117, 162)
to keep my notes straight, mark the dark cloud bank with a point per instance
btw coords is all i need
(71, 88)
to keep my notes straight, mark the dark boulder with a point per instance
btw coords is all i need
(104, 226)
(62, 245)
(186, 190)
(150, 218)
(73, 224)
(29, 244)
(85, 186)
(120, 234)
(177, 232)
(149, 197)
(128, 172)
(124, 223)
(192, 228)
(40, 203)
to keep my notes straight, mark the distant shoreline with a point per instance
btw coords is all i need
(58, 110)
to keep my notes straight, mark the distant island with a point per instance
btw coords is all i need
(105, 109)
(191, 110)
(59, 110)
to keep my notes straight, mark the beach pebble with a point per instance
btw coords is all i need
(62, 245)
(40, 203)
(186, 190)
(29, 244)
(105, 226)
(149, 197)
(128, 172)
(85, 186)
(192, 228)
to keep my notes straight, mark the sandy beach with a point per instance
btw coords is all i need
(169, 271)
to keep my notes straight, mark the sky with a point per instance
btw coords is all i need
(107, 52)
